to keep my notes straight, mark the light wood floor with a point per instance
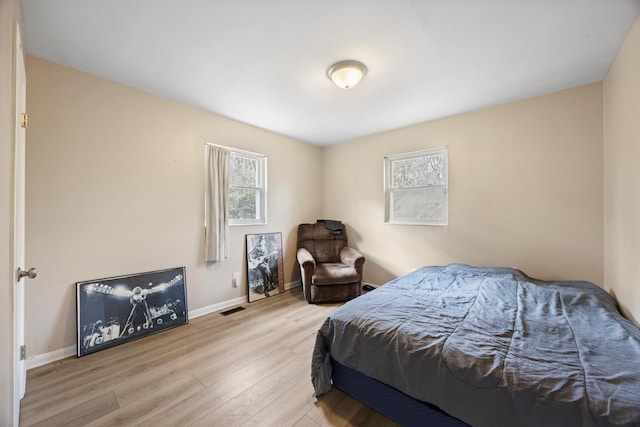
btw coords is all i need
(248, 368)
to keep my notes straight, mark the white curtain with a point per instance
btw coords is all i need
(216, 246)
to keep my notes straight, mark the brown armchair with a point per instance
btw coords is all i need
(330, 270)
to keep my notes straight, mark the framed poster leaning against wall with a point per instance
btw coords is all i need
(115, 310)
(265, 274)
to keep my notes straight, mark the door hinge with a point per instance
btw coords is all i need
(24, 119)
(23, 352)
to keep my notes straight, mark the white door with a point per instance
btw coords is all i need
(18, 240)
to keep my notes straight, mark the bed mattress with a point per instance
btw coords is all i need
(491, 346)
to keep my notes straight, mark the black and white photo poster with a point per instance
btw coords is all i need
(115, 310)
(264, 265)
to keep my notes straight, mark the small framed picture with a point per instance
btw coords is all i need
(265, 274)
(115, 310)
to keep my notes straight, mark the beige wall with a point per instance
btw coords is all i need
(9, 17)
(115, 185)
(525, 190)
(622, 176)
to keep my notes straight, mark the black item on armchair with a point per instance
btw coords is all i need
(330, 269)
(334, 227)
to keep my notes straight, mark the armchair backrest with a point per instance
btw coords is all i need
(320, 242)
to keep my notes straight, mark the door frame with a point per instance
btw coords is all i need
(18, 225)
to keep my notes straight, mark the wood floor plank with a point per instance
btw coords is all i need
(183, 412)
(334, 408)
(107, 360)
(141, 409)
(83, 413)
(242, 407)
(286, 409)
(104, 369)
(249, 368)
(306, 422)
(368, 417)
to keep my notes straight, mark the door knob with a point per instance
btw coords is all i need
(30, 273)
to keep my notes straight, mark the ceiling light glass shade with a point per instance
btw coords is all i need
(347, 74)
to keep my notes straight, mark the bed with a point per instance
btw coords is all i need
(485, 347)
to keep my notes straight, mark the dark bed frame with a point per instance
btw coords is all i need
(390, 402)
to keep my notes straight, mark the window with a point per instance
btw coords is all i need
(247, 188)
(416, 187)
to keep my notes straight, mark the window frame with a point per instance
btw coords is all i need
(261, 188)
(389, 189)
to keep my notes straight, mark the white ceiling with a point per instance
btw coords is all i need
(264, 62)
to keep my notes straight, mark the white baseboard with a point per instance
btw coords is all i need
(53, 356)
(216, 307)
(292, 285)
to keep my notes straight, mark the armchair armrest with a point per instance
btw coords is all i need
(307, 268)
(352, 258)
(305, 259)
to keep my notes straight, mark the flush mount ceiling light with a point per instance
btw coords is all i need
(347, 74)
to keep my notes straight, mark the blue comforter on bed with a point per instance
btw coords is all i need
(492, 347)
